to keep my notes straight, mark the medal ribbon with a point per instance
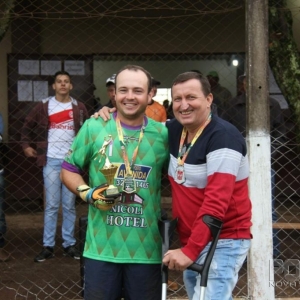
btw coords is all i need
(180, 161)
(128, 166)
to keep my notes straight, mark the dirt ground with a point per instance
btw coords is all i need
(59, 278)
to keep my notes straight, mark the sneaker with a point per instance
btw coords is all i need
(46, 253)
(4, 255)
(72, 252)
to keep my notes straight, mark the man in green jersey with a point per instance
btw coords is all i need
(123, 244)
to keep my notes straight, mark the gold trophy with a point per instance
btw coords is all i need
(109, 171)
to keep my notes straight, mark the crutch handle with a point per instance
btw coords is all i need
(215, 226)
(196, 267)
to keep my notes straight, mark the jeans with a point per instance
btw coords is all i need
(57, 193)
(2, 215)
(223, 274)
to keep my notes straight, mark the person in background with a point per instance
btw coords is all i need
(4, 255)
(123, 245)
(170, 114)
(111, 92)
(168, 107)
(222, 96)
(166, 103)
(155, 110)
(236, 115)
(46, 135)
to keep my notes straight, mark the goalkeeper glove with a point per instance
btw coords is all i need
(95, 196)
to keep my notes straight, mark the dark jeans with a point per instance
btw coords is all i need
(2, 215)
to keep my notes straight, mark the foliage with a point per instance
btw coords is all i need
(6, 8)
(284, 56)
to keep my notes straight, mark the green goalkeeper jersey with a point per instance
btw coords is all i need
(128, 233)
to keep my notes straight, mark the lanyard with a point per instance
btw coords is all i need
(128, 166)
(180, 161)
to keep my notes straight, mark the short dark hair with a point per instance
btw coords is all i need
(109, 84)
(197, 71)
(183, 77)
(136, 68)
(58, 73)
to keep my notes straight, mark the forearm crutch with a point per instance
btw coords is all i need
(166, 228)
(215, 226)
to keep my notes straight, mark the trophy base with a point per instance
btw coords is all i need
(112, 190)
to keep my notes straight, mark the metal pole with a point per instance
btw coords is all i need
(260, 263)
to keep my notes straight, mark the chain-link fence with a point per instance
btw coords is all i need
(92, 40)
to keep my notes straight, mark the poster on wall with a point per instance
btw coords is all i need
(74, 67)
(40, 90)
(25, 90)
(28, 67)
(50, 67)
(29, 90)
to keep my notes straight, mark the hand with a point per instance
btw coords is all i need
(95, 196)
(176, 260)
(30, 152)
(104, 113)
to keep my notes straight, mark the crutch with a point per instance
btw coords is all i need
(215, 226)
(166, 228)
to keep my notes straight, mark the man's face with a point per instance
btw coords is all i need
(62, 85)
(132, 94)
(111, 92)
(190, 106)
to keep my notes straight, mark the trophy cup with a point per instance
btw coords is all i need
(109, 171)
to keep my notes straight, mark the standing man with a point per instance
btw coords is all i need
(4, 255)
(155, 110)
(222, 96)
(47, 134)
(123, 244)
(208, 172)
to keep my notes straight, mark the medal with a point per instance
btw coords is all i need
(129, 184)
(179, 174)
(184, 150)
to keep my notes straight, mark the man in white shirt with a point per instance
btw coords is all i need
(47, 134)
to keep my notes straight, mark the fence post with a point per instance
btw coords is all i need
(260, 271)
